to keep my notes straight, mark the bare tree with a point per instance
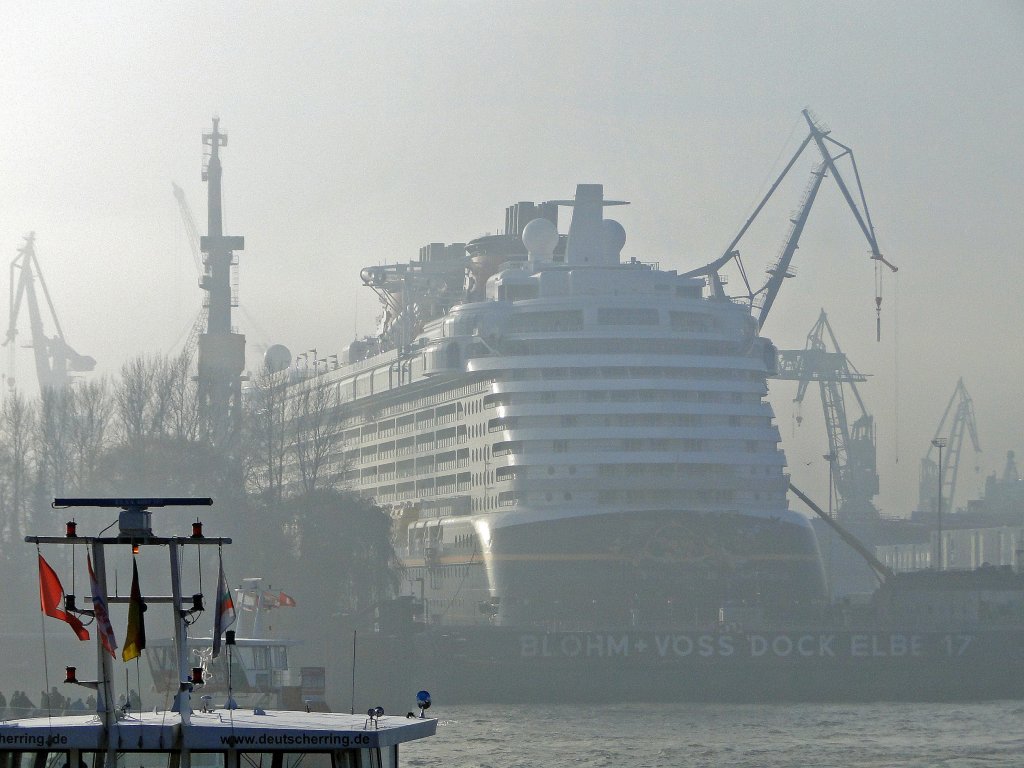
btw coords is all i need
(17, 420)
(265, 428)
(183, 421)
(131, 399)
(90, 431)
(54, 445)
(156, 427)
(311, 416)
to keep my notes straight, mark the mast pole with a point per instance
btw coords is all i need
(182, 699)
(105, 706)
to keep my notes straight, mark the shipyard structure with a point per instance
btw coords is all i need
(221, 349)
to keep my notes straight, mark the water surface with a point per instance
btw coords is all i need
(762, 736)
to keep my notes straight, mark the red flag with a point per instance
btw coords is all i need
(99, 607)
(285, 601)
(51, 595)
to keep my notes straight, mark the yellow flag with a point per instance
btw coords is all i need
(135, 637)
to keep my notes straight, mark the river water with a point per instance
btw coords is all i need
(762, 736)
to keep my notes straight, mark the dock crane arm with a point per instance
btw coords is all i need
(882, 571)
(54, 357)
(961, 406)
(762, 298)
(201, 320)
(191, 230)
(851, 445)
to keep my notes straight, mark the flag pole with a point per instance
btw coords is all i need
(353, 671)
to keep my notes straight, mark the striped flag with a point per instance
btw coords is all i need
(135, 636)
(225, 612)
(99, 607)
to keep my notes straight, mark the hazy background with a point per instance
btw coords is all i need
(361, 131)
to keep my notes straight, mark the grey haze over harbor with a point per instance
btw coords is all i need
(360, 132)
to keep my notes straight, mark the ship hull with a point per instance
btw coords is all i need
(653, 569)
(470, 665)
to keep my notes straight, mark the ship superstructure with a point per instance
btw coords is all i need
(586, 443)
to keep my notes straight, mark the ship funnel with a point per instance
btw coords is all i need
(590, 242)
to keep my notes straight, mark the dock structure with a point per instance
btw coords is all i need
(221, 348)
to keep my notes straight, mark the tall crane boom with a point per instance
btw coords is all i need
(194, 240)
(958, 419)
(762, 298)
(851, 446)
(54, 358)
(191, 230)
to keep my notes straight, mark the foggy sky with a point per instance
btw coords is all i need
(360, 131)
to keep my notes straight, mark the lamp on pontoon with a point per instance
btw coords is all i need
(423, 702)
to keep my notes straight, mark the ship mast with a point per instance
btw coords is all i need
(221, 349)
(135, 531)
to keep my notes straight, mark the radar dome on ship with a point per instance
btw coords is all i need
(540, 237)
(614, 236)
(276, 358)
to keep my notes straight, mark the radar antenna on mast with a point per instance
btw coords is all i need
(762, 298)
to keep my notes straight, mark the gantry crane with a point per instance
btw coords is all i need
(851, 447)
(55, 359)
(959, 414)
(762, 298)
(221, 350)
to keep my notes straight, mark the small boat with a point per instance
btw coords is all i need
(192, 731)
(261, 674)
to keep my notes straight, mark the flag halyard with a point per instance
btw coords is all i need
(135, 635)
(99, 607)
(224, 616)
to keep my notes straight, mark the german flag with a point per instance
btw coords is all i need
(135, 636)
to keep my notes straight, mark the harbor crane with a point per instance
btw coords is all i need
(55, 359)
(762, 298)
(221, 350)
(957, 419)
(851, 446)
(194, 240)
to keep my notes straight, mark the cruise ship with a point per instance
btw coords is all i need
(567, 439)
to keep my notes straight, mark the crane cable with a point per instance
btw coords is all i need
(878, 301)
(896, 368)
